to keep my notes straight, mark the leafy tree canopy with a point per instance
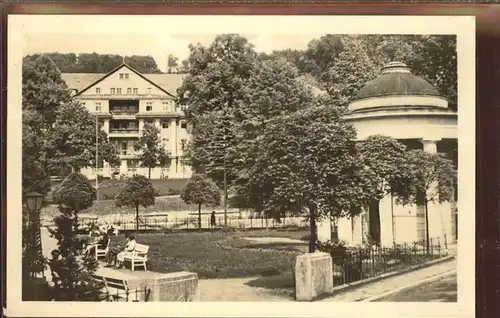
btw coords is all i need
(138, 191)
(152, 153)
(384, 159)
(98, 63)
(309, 159)
(200, 190)
(72, 140)
(75, 192)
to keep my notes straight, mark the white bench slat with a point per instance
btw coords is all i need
(138, 257)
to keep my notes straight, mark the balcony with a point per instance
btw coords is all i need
(128, 132)
(128, 154)
(123, 114)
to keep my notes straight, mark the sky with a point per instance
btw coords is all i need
(86, 34)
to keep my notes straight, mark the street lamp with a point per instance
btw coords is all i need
(34, 201)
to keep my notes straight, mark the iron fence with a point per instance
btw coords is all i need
(362, 263)
(160, 223)
(136, 295)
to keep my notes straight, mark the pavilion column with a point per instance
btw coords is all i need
(324, 229)
(437, 213)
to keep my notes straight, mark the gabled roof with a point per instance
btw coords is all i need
(83, 81)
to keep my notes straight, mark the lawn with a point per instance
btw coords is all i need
(109, 188)
(215, 254)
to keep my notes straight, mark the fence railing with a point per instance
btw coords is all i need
(362, 263)
(159, 223)
(136, 295)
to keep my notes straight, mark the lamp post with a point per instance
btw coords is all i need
(34, 201)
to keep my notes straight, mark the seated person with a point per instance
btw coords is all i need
(101, 243)
(127, 251)
(114, 251)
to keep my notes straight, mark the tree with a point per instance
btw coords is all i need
(349, 72)
(72, 269)
(172, 63)
(384, 159)
(34, 177)
(152, 154)
(309, 160)
(217, 75)
(72, 140)
(43, 91)
(427, 178)
(138, 191)
(145, 64)
(200, 190)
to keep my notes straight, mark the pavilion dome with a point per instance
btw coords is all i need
(396, 79)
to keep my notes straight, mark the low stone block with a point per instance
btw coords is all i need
(178, 286)
(313, 276)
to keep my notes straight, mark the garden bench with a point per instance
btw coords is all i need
(139, 257)
(102, 252)
(116, 289)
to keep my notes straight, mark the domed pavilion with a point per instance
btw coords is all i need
(406, 107)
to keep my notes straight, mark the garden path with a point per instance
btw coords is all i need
(383, 286)
(268, 239)
(236, 289)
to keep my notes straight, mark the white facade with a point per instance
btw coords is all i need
(123, 100)
(422, 122)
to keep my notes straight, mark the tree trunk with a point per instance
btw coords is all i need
(199, 216)
(137, 217)
(149, 173)
(427, 249)
(312, 223)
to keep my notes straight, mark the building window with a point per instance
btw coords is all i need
(164, 125)
(149, 90)
(97, 90)
(183, 124)
(112, 91)
(165, 106)
(126, 75)
(118, 90)
(122, 75)
(149, 106)
(129, 91)
(135, 91)
(98, 107)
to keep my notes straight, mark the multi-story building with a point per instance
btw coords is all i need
(123, 100)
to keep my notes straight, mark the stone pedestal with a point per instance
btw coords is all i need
(313, 276)
(179, 286)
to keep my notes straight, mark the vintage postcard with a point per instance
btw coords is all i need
(241, 165)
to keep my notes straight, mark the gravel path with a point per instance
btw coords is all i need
(235, 289)
(265, 240)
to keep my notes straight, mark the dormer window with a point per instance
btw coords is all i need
(97, 90)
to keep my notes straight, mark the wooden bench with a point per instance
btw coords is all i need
(139, 257)
(102, 252)
(116, 289)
